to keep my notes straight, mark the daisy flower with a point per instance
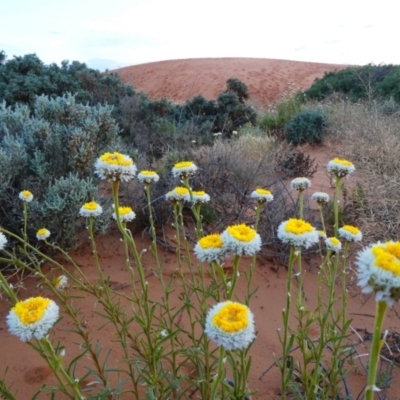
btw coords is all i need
(350, 233)
(178, 194)
(300, 183)
(333, 244)
(297, 232)
(210, 248)
(230, 325)
(379, 271)
(91, 209)
(241, 239)
(184, 169)
(126, 214)
(3, 240)
(262, 195)
(340, 167)
(26, 195)
(33, 317)
(60, 282)
(42, 234)
(115, 167)
(320, 197)
(321, 234)
(200, 197)
(148, 177)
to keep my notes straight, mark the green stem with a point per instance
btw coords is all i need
(220, 374)
(336, 206)
(376, 346)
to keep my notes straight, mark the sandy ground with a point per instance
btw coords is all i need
(181, 80)
(28, 372)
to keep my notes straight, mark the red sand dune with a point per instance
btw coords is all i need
(181, 80)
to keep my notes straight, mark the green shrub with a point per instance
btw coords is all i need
(306, 126)
(282, 111)
(236, 86)
(40, 152)
(366, 82)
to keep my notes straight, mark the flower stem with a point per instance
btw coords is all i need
(377, 343)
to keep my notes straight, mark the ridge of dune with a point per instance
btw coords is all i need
(181, 80)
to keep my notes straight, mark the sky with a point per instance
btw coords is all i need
(108, 34)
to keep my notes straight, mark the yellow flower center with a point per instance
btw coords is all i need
(321, 233)
(116, 159)
(211, 241)
(342, 161)
(242, 232)
(298, 226)
(124, 210)
(26, 193)
(31, 310)
(58, 281)
(334, 241)
(263, 191)
(91, 206)
(387, 257)
(183, 164)
(42, 232)
(232, 317)
(199, 193)
(149, 173)
(181, 191)
(352, 229)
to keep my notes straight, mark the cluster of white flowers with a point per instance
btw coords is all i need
(333, 244)
(91, 209)
(42, 234)
(211, 248)
(230, 325)
(33, 317)
(126, 214)
(184, 169)
(148, 177)
(200, 197)
(115, 167)
(320, 197)
(300, 183)
(178, 194)
(379, 271)
(60, 282)
(241, 239)
(262, 195)
(298, 233)
(350, 233)
(3, 240)
(340, 167)
(26, 195)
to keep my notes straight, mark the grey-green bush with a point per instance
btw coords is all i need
(306, 126)
(51, 153)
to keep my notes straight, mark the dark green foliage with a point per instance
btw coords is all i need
(52, 154)
(381, 81)
(24, 78)
(306, 126)
(236, 86)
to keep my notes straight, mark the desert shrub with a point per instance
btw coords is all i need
(282, 111)
(158, 127)
(291, 162)
(234, 85)
(306, 126)
(370, 140)
(359, 83)
(25, 77)
(40, 152)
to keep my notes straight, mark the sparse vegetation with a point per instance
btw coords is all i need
(49, 144)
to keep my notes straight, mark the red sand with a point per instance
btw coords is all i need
(180, 80)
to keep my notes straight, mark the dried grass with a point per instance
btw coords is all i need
(370, 139)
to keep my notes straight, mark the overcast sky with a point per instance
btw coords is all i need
(117, 33)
